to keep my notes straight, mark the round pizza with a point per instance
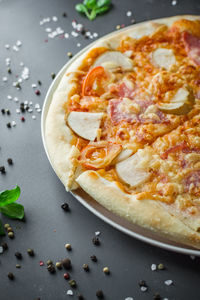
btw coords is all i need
(124, 125)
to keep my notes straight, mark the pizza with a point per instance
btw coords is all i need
(124, 126)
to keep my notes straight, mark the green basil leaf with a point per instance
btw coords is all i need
(80, 8)
(90, 3)
(92, 15)
(102, 10)
(101, 3)
(13, 211)
(9, 196)
(2, 232)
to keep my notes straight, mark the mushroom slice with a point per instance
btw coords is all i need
(163, 58)
(180, 104)
(114, 59)
(85, 124)
(124, 154)
(134, 170)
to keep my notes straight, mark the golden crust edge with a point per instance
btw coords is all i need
(145, 213)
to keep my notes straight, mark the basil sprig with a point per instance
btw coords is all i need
(91, 8)
(8, 207)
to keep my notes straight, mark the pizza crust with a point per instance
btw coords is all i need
(146, 213)
(63, 155)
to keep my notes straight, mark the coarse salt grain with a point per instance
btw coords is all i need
(143, 288)
(165, 299)
(78, 45)
(95, 35)
(153, 267)
(74, 33)
(4, 78)
(18, 43)
(97, 233)
(70, 293)
(128, 298)
(26, 102)
(174, 2)
(129, 13)
(9, 97)
(30, 110)
(66, 35)
(168, 282)
(13, 123)
(21, 64)
(33, 85)
(1, 249)
(37, 105)
(15, 99)
(30, 103)
(48, 29)
(19, 80)
(15, 48)
(7, 46)
(39, 110)
(54, 18)
(33, 117)
(25, 73)
(18, 111)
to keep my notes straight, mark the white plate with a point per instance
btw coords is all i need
(112, 219)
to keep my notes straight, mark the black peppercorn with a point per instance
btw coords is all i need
(96, 241)
(66, 263)
(18, 255)
(2, 170)
(10, 161)
(51, 268)
(9, 70)
(53, 75)
(11, 276)
(30, 252)
(65, 206)
(5, 246)
(80, 297)
(49, 262)
(39, 82)
(18, 85)
(93, 258)
(156, 296)
(64, 15)
(99, 294)
(8, 112)
(8, 125)
(142, 283)
(37, 92)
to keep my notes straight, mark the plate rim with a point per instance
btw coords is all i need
(45, 108)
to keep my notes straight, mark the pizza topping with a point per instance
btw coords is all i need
(192, 182)
(180, 104)
(124, 154)
(92, 84)
(114, 59)
(122, 110)
(163, 58)
(99, 155)
(135, 169)
(85, 124)
(192, 45)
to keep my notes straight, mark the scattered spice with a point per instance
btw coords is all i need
(37, 92)
(10, 161)
(4, 245)
(8, 125)
(2, 170)
(86, 267)
(157, 296)
(168, 282)
(67, 263)
(96, 241)
(153, 267)
(65, 206)
(72, 283)
(22, 119)
(64, 15)
(30, 252)
(11, 276)
(106, 270)
(70, 293)
(49, 262)
(18, 255)
(66, 276)
(18, 266)
(99, 294)
(59, 265)
(9, 229)
(51, 268)
(9, 70)
(161, 267)
(11, 235)
(80, 297)
(142, 283)
(53, 75)
(39, 82)
(41, 263)
(3, 111)
(93, 258)
(68, 247)
(69, 54)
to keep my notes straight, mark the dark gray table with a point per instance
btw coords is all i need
(48, 227)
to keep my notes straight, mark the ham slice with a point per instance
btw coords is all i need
(192, 182)
(192, 46)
